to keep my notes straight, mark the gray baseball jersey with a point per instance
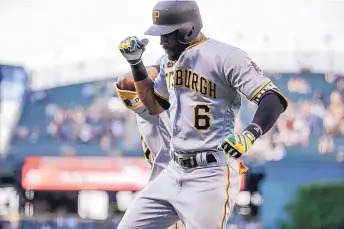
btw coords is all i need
(204, 93)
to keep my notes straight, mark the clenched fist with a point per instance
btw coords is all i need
(132, 49)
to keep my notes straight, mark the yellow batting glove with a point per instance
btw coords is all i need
(132, 49)
(236, 145)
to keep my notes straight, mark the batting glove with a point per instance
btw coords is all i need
(236, 145)
(132, 49)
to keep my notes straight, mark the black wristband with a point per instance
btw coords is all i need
(254, 129)
(139, 71)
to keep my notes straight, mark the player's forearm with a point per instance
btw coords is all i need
(269, 109)
(144, 89)
(145, 92)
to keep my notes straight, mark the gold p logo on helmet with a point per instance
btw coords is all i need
(156, 14)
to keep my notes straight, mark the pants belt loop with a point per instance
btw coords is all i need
(199, 159)
(204, 158)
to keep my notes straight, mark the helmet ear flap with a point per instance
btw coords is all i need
(189, 34)
(186, 35)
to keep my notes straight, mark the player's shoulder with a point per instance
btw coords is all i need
(164, 60)
(161, 59)
(223, 49)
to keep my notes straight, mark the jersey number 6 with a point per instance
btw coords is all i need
(202, 117)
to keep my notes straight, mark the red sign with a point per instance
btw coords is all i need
(85, 173)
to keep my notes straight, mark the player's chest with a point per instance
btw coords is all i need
(181, 79)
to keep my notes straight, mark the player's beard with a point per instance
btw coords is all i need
(171, 45)
(175, 52)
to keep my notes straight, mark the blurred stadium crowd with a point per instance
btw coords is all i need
(82, 120)
(313, 123)
(88, 119)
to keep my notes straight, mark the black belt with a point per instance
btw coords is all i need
(191, 162)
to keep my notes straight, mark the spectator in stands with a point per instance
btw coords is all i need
(318, 98)
(334, 121)
(308, 118)
(299, 85)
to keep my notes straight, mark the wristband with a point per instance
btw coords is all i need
(139, 71)
(254, 129)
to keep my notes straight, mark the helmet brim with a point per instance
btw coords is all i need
(159, 30)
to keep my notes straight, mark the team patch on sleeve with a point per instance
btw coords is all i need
(255, 66)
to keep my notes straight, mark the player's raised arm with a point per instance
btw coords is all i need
(126, 81)
(132, 49)
(245, 76)
(126, 91)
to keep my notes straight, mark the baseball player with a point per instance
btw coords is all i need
(199, 82)
(155, 130)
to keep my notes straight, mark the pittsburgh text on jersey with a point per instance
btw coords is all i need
(191, 80)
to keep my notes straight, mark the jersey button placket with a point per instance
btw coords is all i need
(177, 116)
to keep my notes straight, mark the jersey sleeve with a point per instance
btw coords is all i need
(131, 100)
(244, 75)
(160, 88)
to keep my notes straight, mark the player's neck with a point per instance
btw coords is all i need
(198, 39)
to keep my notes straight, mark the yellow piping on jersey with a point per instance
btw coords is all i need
(227, 199)
(160, 96)
(259, 90)
(198, 43)
(125, 94)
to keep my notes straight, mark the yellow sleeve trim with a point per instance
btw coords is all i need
(259, 90)
(160, 96)
(125, 94)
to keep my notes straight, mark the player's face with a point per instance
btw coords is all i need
(173, 48)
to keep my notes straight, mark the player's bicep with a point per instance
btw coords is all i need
(245, 76)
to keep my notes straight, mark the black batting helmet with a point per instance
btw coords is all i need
(172, 15)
